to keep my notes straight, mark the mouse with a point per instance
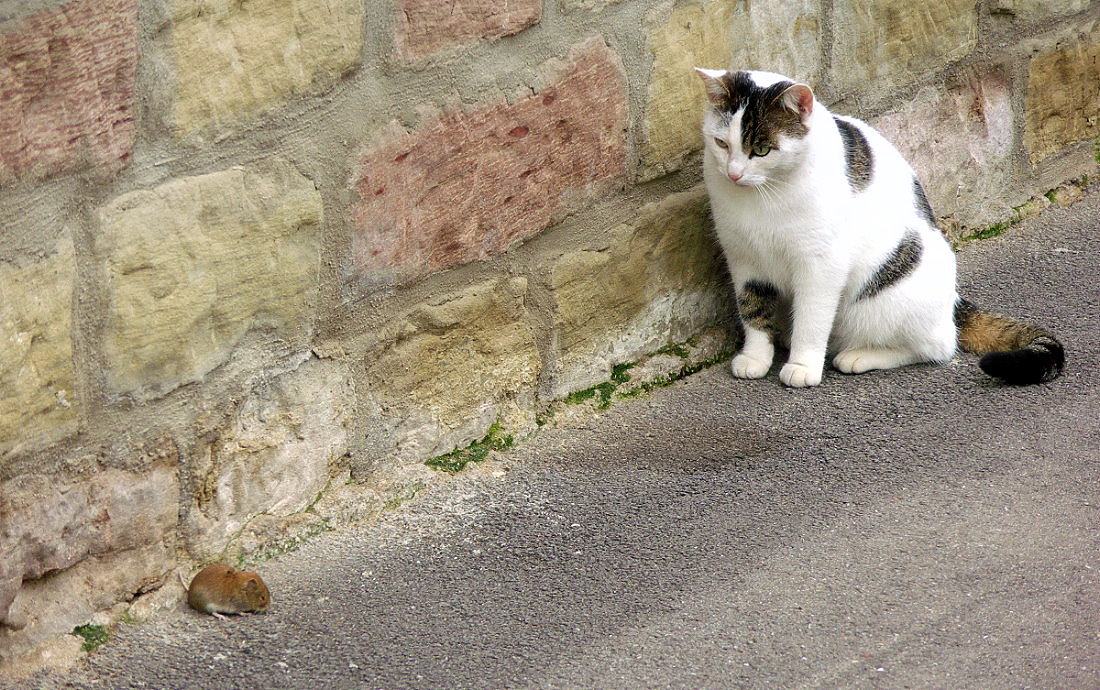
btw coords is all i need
(219, 589)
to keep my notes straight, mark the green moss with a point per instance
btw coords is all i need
(477, 451)
(95, 636)
(619, 372)
(601, 392)
(676, 350)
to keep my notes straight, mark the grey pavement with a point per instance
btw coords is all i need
(922, 527)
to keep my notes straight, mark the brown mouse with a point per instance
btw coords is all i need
(219, 589)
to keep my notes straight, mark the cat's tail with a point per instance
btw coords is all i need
(1013, 351)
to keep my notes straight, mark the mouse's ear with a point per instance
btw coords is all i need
(251, 584)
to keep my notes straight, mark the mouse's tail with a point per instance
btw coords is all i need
(1013, 351)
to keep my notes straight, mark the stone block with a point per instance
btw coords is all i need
(568, 6)
(1062, 106)
(691, 35)
(48, 524)
(1037, 9)
(273, 457)
(718, 34)
(51, 606)
(67, 89)
(963, 149)
(232, 60)
(428, 26)
(36, 363)
(889, 43)
(442, 373)
(466, 185)
(660, 281)
(195, 263)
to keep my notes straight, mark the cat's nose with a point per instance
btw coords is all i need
(734, 176)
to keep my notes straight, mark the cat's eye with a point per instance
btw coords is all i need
(761, 150)
(721, 143)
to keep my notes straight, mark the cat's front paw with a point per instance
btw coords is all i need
(799, 375)
(745, 367)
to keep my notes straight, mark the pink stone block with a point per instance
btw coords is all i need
(67, 89)
(467, 185)
(427, 26)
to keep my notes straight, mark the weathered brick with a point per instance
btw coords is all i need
(47, 524)
(890, 42)
(428, 26)
(962, 150)
(1062, 106)
(466, 185)
(67, 89)
(36, 364)
(444, 371)
(194, 264)
(273, 457)
(233, 60)
(658, 282)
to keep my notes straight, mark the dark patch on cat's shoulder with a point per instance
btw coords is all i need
(859, 161)
(923, 206)
(901, 262)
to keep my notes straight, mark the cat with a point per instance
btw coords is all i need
(833, 246)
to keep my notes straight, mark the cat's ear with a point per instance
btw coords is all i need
(717, 92)
(799, 99)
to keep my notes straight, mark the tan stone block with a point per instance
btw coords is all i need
(660, 281)
(235, 59)
(887, 43)
(67, 89)
(1062, 106)
(36, 364)
(692, 35)
(447, 369)
(1034, 9)
(47, 524)
(428, 26)
(194, 264)
(273, 458)
(718, 34)
(963, 147)
(466, 185)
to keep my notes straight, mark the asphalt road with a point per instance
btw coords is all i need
(922, 527)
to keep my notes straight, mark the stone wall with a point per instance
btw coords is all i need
(260, 261)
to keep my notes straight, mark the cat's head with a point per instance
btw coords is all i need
(756, 124)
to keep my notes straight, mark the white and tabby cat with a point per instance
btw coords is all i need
(832, 244)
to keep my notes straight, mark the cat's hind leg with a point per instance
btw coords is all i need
(861, 359)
